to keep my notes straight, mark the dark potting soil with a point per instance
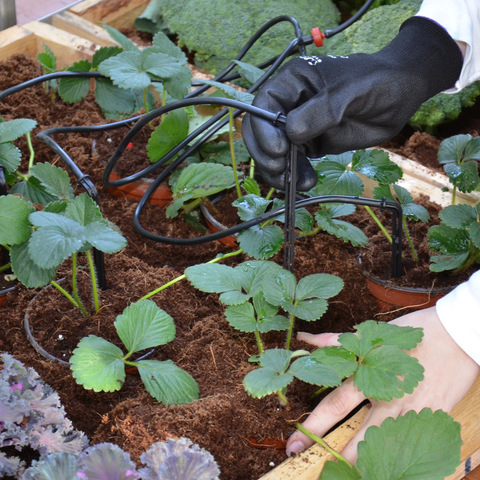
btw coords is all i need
(215, 354)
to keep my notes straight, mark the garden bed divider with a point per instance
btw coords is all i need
(74, 35)
(28, 40)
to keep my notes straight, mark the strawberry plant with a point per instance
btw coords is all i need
(40, 241)
(99, 365)
(459, 156)
(254, 291)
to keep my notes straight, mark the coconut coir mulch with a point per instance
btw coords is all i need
(225, 418)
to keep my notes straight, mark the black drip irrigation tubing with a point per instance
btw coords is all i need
(214, 124)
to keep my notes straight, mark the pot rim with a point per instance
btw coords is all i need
(391, 285)
(5, 291)
(210, 218)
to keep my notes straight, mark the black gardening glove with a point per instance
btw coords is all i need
(335, 104)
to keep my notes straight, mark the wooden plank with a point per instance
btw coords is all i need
(17, 40)
(117, 13)
(309, 464)
(67, 47)
(69, 22)
(421, 179)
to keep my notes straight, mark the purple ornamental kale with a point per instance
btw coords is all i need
(178, 460)
(31, 415)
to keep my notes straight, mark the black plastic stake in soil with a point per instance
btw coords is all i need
(290, 198)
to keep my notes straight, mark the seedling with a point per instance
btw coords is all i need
(99, 365)
(40, 241)
(456, 241)
(459, 156)
(374, 356)
(338, 175)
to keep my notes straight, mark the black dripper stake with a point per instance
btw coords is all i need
(290, 198)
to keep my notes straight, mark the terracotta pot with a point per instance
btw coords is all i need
(215, 226)
(137, 189)
(389, 296)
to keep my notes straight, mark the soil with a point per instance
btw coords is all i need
(225, 418)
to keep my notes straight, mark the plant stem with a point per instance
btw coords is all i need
(94, 281)
(410, 242)
(252, 168)
(270, 193)
(232, 153)
(317, 392)
(181, 277)
(259, 342)
(190, 206)
(282, 397)
(322, 442)
(379, 223)
(164, 100)
(60, 289)
(74, 279)
(290, 331)
(5, 267)
(454, 195)
(473, 257)
(32, 152)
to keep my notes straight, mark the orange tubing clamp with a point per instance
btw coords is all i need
(318, 36)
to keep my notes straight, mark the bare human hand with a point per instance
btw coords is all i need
(449, 374)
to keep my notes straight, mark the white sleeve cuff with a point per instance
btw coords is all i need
(461, 19)
(459, 312)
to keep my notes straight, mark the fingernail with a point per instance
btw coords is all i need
(295, 447)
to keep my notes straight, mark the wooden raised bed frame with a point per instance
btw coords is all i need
(75, 35)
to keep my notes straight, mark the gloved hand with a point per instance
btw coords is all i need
(335, 104)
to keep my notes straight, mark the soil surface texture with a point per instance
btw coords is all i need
(226, 419)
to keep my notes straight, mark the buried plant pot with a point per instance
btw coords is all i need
(137, 189)
(215, 226)
(389, 295)
(31, 338)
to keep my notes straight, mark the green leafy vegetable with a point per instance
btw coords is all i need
(99, 365)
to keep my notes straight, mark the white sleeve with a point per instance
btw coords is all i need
(459, 312)
(461, 19)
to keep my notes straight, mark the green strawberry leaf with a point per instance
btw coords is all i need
(84, 210)
(14, 129)
(98, 365)
(33, 191)
(10, 156)
(261, 243)
(168, 383)
(72, 90)
(340, 471)
(335, 179)
(14, 225)
(144, 325)
(55, 180)
(251, 206)
(310, 371)
(465, 177)
(171, 131)
(417, 445)
(249, 72)
(120, 38)
(216, 278)
(458, 216)
(203, 179)
(102, 54)
(104, 238)
(376, 164)
(26, 271)
(126, 70)
(378, 375)
(340, 359)
(230, 92)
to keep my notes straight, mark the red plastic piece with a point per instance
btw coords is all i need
(130, 145)
(318, 36)
(278, 444)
